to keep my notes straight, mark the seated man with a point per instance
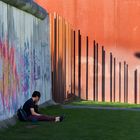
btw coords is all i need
(31, 109)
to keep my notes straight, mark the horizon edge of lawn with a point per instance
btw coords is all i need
(103, 104)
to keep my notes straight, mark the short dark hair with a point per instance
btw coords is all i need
(36, 93)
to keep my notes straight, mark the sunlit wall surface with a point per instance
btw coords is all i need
(115, 25)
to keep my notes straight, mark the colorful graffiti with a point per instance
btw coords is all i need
(37, 73)
(25, 72)
(22, 59)
(9, 79)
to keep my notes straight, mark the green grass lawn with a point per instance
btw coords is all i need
(79, 124)
(105, 104)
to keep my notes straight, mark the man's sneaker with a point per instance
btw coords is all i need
(57, 119)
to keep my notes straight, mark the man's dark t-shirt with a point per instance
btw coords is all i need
(28, 105)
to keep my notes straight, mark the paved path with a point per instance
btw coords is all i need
(97, 107)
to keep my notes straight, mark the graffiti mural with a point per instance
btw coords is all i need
(25, 74)
(22, 62)
(9, 79)
(37, 70)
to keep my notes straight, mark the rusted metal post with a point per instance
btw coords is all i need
(94, 57)
(119, 81)
(74, 61)
(114, 79)
(103, 74)
(135, 86)
(87, 68)
(110, 77)
(79, 64)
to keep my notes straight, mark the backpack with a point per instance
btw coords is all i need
(21, 114)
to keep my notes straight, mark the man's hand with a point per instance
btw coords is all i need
(34, 113)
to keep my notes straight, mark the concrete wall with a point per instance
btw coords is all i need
(24, 59)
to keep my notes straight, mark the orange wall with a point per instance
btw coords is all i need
(113, 23)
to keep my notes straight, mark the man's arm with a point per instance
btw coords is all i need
(34, 113)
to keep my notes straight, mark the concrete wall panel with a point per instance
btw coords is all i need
(25, 63)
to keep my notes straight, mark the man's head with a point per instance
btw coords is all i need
(36, 96)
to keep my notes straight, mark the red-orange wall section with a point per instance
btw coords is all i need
(113, 23)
